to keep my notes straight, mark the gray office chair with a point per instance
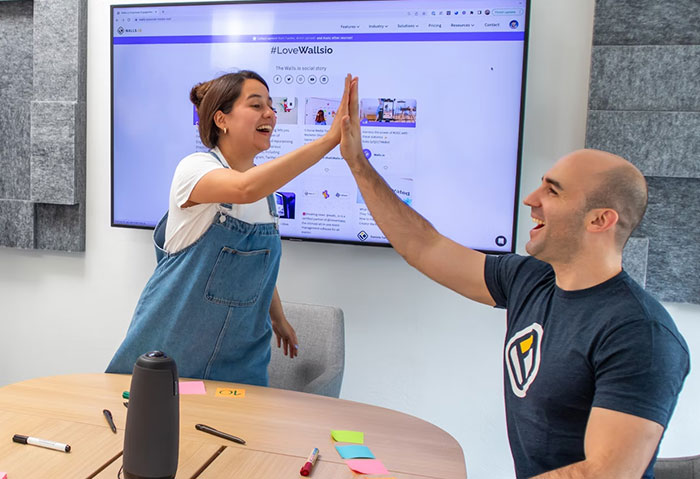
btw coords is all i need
(319, 367)
(677, 468)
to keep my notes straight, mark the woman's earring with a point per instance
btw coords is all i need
(225, 130)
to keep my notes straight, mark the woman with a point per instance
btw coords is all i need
(212, 303)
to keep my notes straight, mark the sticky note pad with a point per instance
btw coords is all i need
(367, 466)
(230, 393)
(192, 387)
(348, 436)
(3, 475)
(354, 452)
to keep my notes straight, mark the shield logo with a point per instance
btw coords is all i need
(522, 356)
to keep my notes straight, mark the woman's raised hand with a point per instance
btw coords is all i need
(334, 130)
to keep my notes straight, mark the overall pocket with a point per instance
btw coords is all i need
(236, 279)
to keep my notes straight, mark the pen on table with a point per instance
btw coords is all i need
(211, 430)
(306, 468)
(35, 441)
(110, 420)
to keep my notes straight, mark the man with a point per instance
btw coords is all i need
(593, 364)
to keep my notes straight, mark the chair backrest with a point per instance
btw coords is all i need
(319, 367)
(677, 468)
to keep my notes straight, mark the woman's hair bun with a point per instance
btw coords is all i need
(198, 91)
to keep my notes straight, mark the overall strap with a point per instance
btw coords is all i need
(223, 207)
(211, 152)
(272, 204)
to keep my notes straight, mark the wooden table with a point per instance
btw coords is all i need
(280, 427)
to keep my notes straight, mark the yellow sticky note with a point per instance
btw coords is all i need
(348, 436)
(230, 393)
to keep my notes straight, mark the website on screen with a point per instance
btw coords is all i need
(440, 99)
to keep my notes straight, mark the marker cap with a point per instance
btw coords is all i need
(306, 470)
(20, 438)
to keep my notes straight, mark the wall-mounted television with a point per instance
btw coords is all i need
(441, 105)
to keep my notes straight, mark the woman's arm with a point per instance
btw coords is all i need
(286, 336)
(231, 186)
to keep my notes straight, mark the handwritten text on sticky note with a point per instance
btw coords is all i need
(230, 393)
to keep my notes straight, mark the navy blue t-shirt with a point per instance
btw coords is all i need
(611, 346)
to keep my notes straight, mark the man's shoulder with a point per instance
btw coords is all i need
(516, 263)
(511, 276)
(636, 304)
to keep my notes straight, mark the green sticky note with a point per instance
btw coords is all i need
(348, 436)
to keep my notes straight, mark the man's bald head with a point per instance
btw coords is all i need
(613, 183)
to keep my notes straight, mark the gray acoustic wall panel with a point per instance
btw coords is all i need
(42, 123)
(16, 28)
(17, 223)
(645, 105)
(56, 227)
(659, 143)
(53, 163)
(674, 254)
(15, 97)
(14, 149)
(646, 77)
(59, 50)
(640, 22)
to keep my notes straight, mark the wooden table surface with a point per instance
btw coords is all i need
(280, 428)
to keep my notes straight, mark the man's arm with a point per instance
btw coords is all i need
(450, 264)
(616, 445)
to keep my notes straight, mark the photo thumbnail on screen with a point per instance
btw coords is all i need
(320, 111)
(388, 112)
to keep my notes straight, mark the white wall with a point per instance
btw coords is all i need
(411, 345)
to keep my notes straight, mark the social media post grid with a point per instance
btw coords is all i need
(389, 134)
(324, 205)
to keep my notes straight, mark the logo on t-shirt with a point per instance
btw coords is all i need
(523, 358)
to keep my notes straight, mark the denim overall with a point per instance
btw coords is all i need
(207, 306)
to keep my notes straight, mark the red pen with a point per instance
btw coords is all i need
(306, 470)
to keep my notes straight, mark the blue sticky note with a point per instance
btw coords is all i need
(354, 451)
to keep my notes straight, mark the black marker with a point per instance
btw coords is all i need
(35, 441)
(211, 430)
(110, 421)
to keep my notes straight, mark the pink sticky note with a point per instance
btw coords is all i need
(3, 475)
(192, 387)
(367, 466)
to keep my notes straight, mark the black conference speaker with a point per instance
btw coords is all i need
(152, 434)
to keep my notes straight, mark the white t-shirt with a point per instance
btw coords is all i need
(186, 225)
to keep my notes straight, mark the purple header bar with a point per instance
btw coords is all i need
(329, 37)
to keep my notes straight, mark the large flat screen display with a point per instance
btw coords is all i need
(441, 98)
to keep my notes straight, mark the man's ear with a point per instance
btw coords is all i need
(601, 219)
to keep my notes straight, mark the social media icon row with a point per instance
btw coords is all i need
(311, 79)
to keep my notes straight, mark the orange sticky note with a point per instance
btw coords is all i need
(230, 393)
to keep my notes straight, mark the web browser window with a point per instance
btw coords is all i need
(441, 85)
